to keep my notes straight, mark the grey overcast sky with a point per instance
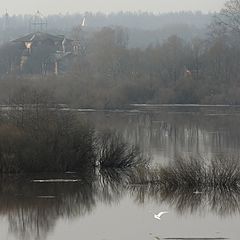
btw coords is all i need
(74, 6)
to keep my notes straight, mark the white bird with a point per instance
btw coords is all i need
(83, 22)
(32, 38)
(158, 216)
(197, 192)
(63, 45)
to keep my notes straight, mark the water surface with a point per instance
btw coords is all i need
(99, 206)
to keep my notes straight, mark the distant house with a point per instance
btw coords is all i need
(44, 53)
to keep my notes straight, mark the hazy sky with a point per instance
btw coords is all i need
(73, 6)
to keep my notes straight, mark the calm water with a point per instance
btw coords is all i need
(101, 207)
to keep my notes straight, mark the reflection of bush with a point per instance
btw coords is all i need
(223, 202)
(192, 184)
(33, 217)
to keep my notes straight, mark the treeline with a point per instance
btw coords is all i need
(142, 20)
(144, 28)
(177, 71)
(110, 75)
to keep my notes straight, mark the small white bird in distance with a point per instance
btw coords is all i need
(158, 216)
(197, 192)
(83, 22)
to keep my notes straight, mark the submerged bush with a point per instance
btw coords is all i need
(57, 143)
(116, 153)
(62, 143)
(184, 172)
(195, 174)
(223, 172)
(37, 136)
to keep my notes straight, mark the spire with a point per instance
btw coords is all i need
(38, 23)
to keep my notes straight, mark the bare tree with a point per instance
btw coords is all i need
(229, 16)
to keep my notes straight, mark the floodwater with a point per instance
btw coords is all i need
(100, 206)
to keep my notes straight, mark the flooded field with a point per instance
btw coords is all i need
(101, 206)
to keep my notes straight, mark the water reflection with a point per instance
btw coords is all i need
(33, 209)
(176, 131)
(222, 202)
(31, 217)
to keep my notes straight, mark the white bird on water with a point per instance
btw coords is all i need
(197, 192)
(158, 216)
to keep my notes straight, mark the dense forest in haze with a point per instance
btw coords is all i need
(143, 28)
(110, 73)
(142, 20)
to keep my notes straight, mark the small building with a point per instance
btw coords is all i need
(44, 53)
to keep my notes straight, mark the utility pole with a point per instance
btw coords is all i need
(38, 23)
(6, 27)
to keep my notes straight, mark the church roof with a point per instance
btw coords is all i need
(41, 36)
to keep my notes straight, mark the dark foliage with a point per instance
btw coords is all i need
(37, 136)
(115, 153)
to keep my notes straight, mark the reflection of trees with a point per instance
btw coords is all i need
(192, 185)
(111, 184)
(225, 202)
(222, 202)
(31, 223)
(33, 208)
(165, 133)
(32, 211)
(32, 216)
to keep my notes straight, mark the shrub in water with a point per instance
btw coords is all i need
(114, 152)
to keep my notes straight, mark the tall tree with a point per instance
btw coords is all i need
(229, 16)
